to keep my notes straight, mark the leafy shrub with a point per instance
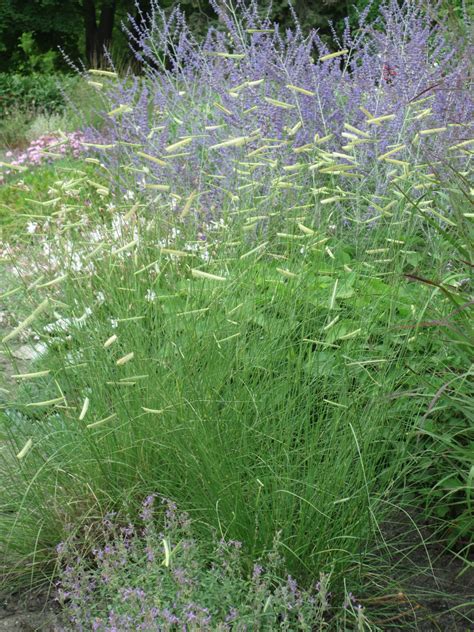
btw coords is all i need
(14, 129)
(44, 124)
(35, 61)
(33, 92)
(445, 433)
(35, 105)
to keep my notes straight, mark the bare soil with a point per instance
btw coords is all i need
(27, 612)
(434, 590)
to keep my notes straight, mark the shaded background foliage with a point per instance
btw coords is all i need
(32, 32)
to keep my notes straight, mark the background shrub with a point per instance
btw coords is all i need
(34, 92)
(444, 436)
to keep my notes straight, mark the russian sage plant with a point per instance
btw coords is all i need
(253, 115)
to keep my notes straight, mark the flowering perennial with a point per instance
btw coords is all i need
(254, 114)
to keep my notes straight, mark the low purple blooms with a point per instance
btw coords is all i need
(124, 588)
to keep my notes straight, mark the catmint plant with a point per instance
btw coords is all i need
(157, 577)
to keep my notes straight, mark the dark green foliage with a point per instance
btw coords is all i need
(32, 32)
(444, 441)
(51, 23)
(37, 91)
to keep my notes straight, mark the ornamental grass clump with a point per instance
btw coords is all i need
(269, 375)
(246, 375)
(229, 321)
(253, 113)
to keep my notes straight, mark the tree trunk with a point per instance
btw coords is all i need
(98, 36)
(90, 25)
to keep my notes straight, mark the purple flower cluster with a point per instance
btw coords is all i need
(183, 585)
(254, 111)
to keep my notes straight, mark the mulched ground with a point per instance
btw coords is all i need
(435, 592)
(27, 613)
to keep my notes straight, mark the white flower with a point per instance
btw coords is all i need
(61, 324)
(213, 225)
(74, 356)
(76, 263)
(116, 226)
(90, 267)
(100, 298)
(64, 324)
(129, 195)
(95, 235)
(191, 247)
(113, 323)
(31, 227)
(53, 262)
(150, 296)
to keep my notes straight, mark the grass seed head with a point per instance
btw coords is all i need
(25, 449)
(200, 274)
(85, 408)
(110, 341)
(124, 359)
